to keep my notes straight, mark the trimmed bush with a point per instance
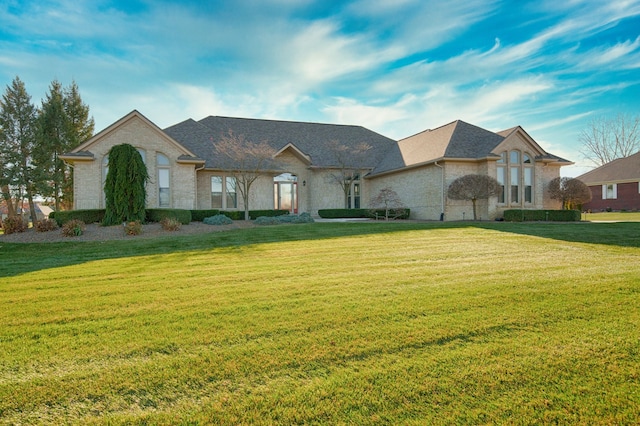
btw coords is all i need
(157, 215)
(73, 228)
(14, 224)
(342, 213)
(523, 215)
(200, 215)
(254, 214)
(219, 219)
(46, 225)
(233, 215)
(87, 216)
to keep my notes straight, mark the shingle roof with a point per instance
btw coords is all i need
(309, 138)
(454, 140)
(622, 169)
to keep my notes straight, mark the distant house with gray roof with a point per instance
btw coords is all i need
(186, 173)
(615, 185)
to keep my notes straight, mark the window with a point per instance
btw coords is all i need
(163, 180)
(609, 191)
(528, 185)
(520, 176)
(354, 193)
(354, 196)
(227, 186)
(501, 180)
(515, 187)
(232, 195)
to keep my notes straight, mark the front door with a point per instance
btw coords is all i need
(285, 191)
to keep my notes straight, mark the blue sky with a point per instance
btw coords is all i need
(394, 66)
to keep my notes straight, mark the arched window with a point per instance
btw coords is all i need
(519, 173)
(164, 180)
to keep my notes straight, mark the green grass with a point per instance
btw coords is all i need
(612, 216)
(379, 323)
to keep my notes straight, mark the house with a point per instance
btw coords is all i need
(615, 185)
(186, 173)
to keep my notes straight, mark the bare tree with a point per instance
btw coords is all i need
(246, 161)
(570, 191)
(606, 139)
(349, 164)
(474, 188)
(389, 201)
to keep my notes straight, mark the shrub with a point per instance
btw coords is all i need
(398, 213)
(87, 216)
(342, 213)
(233, 215)
(523, 215)
(46, 225)
(219, 219)
(133, 228)
(200, 215)
(267, 220)
(276, 220)
(254, 214)
(73, 228)
(157, 215)
(14, 224)
(170, 224)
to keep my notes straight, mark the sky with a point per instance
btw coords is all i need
(396, 67)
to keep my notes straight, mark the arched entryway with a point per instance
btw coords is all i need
(285, 192)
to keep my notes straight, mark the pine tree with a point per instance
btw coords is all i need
(80, 129)
(52, 141)
(124, 187)
(17, 142)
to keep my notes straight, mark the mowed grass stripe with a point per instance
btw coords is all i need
(438, 324)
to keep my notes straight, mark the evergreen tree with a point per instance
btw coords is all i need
(124, 187)
(63, 124)
(51, 142)
(80, 129)
(17, 142)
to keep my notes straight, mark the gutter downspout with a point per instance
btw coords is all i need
(195, 185)
(442, 180)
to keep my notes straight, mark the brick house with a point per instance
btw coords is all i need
(615, 185)
(186, 174)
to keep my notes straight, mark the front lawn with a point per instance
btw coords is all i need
(324, 323)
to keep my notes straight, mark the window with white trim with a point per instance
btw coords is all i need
(164, 179)
(609, 191)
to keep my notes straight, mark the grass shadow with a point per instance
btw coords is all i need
(16, 259)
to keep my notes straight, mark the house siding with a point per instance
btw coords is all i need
(627, 198)
(88, 175)
(419, 189)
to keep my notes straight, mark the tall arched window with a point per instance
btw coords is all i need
(164, 180)
(516, 168)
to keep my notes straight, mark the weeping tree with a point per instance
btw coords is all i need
(124, 187)
(473, 188)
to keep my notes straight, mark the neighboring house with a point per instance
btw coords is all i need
(186, 174)
(615, 185)
(42, 211)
